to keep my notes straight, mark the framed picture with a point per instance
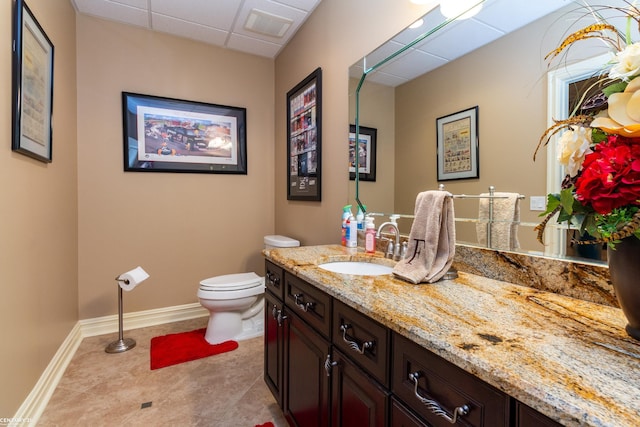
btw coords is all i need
(304, 131)
(171, 135)
(457, 139)
(366, 153)
(32, 86)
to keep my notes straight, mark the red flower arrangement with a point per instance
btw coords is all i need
(600, 146)
(610, 177)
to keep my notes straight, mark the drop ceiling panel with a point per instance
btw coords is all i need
(188, 30)
(253, 46)
(114, 11)
(203, 12)
(217, 22)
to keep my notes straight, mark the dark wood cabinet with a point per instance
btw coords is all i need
(529, 417)
(357, 399)
(307, 383)
(403, 417)
(274, 345)
(439, 391)
(327, 364)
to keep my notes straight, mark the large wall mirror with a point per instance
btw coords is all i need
(495, 61)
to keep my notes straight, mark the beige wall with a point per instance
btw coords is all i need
(379, 113)
(181, 228)
(507, 81)
(38, 219)
(337, 35)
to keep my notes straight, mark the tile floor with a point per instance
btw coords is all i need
(101, 389)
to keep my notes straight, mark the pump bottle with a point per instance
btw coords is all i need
(370, 236)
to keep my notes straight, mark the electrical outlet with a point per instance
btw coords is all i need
(537, 203)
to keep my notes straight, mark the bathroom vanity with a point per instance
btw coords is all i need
(353, 350)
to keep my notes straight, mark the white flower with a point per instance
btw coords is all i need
(626, 63)
(574, 145)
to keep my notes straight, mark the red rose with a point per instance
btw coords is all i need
(610, 175)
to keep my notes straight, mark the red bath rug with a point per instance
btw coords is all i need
(172, 349)
(267, 424)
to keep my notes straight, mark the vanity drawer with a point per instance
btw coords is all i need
(363, 340)
(308, 302)
(274, 279)
(446, 386)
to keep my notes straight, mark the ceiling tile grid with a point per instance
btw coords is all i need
(217, 22)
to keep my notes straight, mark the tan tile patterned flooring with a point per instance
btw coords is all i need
(101, 389)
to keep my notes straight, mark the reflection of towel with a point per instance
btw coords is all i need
(431, 240)
(506, 216)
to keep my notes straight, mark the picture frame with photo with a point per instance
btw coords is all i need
(304, 138)
(457, 145)
(366, 153)
(170, 135)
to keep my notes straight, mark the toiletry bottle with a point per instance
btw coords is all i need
(370, 236)
(346, 213)
(352, 232)
(360, 218)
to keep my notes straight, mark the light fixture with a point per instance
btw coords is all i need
(417, 24)
(126, 281)
(460, 9)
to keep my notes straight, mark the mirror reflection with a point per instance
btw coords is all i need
(493, 61)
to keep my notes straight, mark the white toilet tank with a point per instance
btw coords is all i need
(277, 241)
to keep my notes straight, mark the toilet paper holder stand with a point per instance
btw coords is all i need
(122, 344)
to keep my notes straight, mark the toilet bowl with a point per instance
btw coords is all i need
(236, 301)
(236, 306)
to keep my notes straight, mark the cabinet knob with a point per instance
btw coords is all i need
(352, 344)
(434, 406)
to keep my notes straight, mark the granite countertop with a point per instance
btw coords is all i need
(568, 358)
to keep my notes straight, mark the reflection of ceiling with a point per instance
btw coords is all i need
(497, 18)
(217, 22)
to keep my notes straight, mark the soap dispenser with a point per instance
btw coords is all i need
(370, 236)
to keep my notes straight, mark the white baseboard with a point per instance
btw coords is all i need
(141, 319)
(31, 409)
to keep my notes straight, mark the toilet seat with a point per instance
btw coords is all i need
(231, 282)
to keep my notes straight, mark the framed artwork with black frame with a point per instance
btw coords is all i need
(366, 153)
(172, 135)
(304, 138)
(457, 142)
(32, 112)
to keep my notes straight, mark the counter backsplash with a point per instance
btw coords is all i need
(583, 281)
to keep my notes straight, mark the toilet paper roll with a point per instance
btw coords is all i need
(129, 280)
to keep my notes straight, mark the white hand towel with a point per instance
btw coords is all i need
(506, 217)
(431, 240)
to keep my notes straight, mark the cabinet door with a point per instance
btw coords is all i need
(356, 398)
(403, 417)
(274, 345)
(529, 417)
(307, 390)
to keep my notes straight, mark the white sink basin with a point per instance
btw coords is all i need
(357, 268)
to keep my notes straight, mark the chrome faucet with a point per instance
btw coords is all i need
(393, 249)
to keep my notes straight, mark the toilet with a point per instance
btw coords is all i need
(236, 301)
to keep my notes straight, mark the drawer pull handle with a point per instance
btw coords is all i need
(354, 345)
(273, 278)
(304, 306)
(328, 365)
(277, 315)
(435, 406)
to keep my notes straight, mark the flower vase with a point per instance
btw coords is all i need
(624, 269)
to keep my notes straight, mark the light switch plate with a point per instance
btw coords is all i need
(537, 203)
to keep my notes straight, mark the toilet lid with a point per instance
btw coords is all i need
(231, 282)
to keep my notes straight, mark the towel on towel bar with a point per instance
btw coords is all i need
(506, 217)
(431, 241)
